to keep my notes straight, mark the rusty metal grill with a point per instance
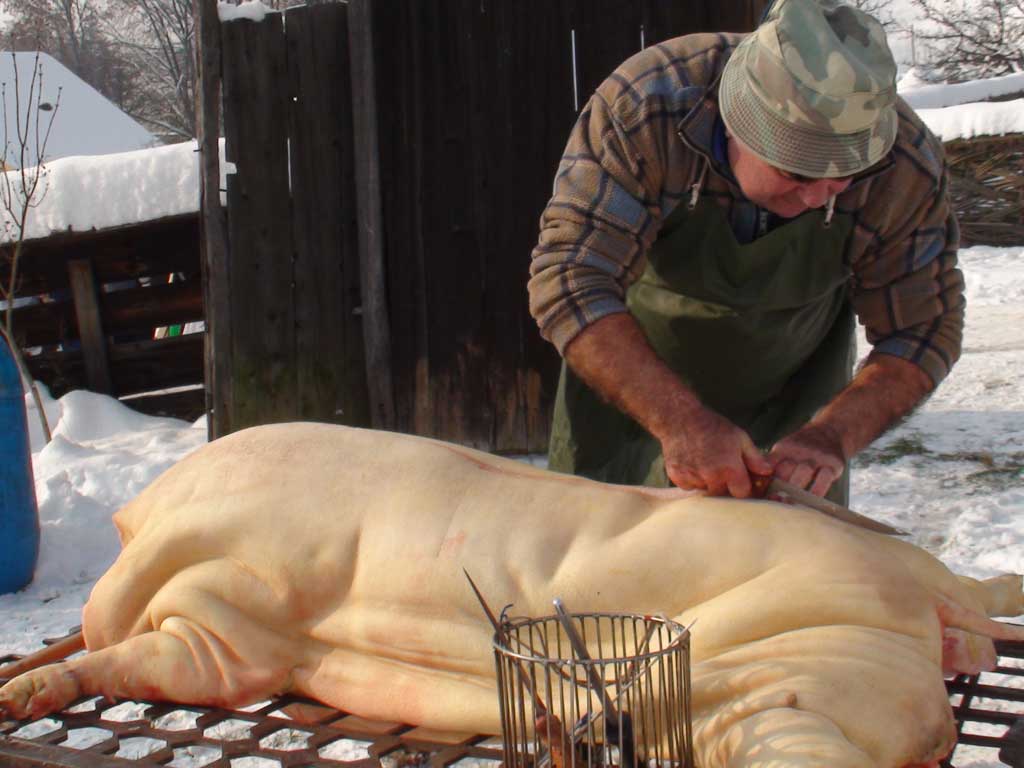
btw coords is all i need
(987, 708)
(291, 732)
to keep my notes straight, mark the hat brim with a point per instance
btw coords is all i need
(796, 148)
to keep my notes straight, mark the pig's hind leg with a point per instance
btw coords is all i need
(180, 662)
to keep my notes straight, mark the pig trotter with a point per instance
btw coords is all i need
(39, 692)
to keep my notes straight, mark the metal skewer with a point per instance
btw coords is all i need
(551, 722)
(619, 724)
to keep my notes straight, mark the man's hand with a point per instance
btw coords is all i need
(713, 454)
(885, 390)
(702, 449)
(812, 458)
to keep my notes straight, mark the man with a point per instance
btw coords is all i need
(724, 206)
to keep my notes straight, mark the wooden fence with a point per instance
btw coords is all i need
(97, 298)
(391, 161)
(987, 182)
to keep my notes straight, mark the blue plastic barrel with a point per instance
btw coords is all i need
(19, 516)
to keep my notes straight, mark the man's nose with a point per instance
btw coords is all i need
(815, 194)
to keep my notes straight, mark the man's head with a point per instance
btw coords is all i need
(776, 190)
(812, 92)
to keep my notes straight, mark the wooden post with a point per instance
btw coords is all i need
(213, 226)
(376, 324)
(330, 363)
(90, 326)
(262, 290)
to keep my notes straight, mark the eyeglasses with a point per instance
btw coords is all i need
(801, 179)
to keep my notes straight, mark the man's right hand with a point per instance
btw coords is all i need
(702, 449)
(713, 454)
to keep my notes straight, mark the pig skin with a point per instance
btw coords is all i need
(328, 561)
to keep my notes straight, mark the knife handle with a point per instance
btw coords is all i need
(759, 485)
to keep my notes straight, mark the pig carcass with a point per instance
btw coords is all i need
(329, 562)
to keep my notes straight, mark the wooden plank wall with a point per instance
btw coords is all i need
(99, 296)
(296, 350)
(475, 99)
(464, 109)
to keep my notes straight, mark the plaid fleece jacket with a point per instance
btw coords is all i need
(642, 142)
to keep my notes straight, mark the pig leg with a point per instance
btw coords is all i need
(181, 662)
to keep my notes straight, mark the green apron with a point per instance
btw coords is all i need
(762, 332)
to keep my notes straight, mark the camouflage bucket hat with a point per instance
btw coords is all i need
(813, 89)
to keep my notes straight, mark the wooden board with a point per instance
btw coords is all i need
(329, 353)
(121, 253)
(263, 379)
(85, 294)
(133, 310)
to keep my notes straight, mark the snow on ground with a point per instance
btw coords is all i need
(951, 474)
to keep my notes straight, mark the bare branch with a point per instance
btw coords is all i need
(22, 190)
(974, 40)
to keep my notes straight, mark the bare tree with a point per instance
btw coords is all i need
(980, 38)
(23, 189)
(156, 41)
(880, 9)
(66, 29)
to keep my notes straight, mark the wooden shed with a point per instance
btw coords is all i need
(391, 160)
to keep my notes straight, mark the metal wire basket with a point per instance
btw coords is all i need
(594, 689)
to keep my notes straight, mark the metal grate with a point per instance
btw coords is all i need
(594, 689)
(987, 708)
(290, 732)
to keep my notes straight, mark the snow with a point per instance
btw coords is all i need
(966, 121)
(85, 123)
(84, 193)
(959, 111)
(922, 95)
(253, 10)
(951, 474)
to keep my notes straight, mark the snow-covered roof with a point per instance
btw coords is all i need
(922, 95)
(968, 121)
(960, 110)
(92, 193)
(86, 123)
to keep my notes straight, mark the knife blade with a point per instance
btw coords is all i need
(798, 495)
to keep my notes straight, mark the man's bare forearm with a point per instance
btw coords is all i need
(885, 390)
(702, 449)
(613, 358)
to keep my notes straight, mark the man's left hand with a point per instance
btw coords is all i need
(884, 390)
(812, 458)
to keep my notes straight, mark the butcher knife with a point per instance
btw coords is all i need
(766, 485)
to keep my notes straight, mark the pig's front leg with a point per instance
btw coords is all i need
(39, 692)
(181, 662)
